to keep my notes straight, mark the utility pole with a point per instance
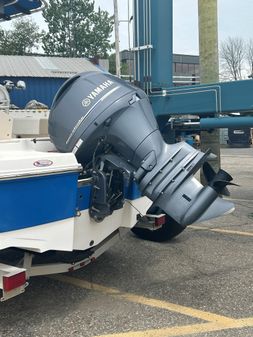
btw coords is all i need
(209, 66)
(116, 28)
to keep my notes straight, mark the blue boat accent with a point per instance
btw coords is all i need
(83, 197)
(19, 7)
(35, 201)
(132, 191)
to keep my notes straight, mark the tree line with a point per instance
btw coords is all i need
(236, 57)
(75, 29)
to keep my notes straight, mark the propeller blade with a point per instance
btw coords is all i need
(218, 181)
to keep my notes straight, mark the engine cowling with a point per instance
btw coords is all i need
(102, 118)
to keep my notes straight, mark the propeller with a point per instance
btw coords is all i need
(218, 181)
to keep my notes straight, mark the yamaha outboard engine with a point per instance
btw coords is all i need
(110, 126)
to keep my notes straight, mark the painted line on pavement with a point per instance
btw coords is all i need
(237, 199)
(223, 231)
(235, 156)
(187, 329)
(188, 311)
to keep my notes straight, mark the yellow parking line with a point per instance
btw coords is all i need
(236, 199)
(215, 322)
(223, 231)
(187, 329)
(203, 315)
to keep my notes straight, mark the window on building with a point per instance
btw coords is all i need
(191, 68)
(185, 68)
(178, 68)
(197, 69)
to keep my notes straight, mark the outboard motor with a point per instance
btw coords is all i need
(110, 126)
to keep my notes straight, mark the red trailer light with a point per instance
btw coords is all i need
(14, 281)
(159, 221)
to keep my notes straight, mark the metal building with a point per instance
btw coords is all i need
(185, 67)
(43, 75)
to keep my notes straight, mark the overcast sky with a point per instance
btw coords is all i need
(235, 19)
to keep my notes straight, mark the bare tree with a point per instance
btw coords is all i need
(249, 56)
(232, 54)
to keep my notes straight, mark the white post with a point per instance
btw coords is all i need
(116, 28)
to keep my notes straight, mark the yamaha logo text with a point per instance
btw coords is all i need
(96, 92)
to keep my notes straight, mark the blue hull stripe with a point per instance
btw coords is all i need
(37, 200)
(22, 5)
(83, 197)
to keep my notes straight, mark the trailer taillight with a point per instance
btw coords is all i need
(14, 281)
(159, 221)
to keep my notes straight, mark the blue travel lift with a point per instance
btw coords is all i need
(153, 47)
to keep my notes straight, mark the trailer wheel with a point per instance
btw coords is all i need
(166, 232)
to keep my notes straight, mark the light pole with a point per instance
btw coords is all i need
(209, 66)
(116, 28)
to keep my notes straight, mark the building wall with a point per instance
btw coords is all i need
(44, 89)
(40, 89)
(183, 66)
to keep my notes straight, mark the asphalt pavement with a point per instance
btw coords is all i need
(198, 284)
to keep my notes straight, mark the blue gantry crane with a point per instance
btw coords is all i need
(153, 49)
